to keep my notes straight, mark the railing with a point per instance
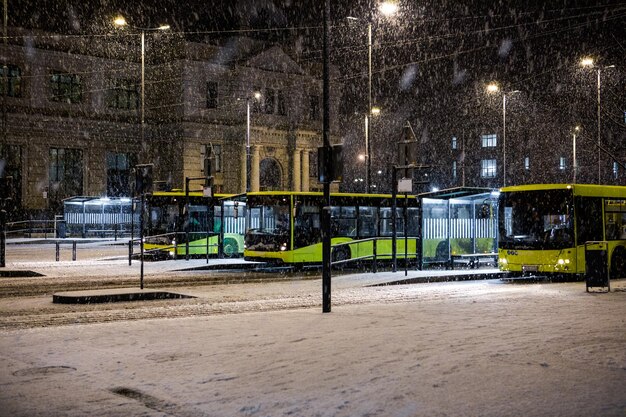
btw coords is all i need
(173, 248)
(374, 256)
(28, 228)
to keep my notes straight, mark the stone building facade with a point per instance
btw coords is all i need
(72, 115)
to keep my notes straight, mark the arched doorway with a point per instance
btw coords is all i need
(270, 175)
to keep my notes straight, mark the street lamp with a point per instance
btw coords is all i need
(574, 163)
(255, 96)
(589, 63)
(386, 8)
(120, 21)
(493, 88)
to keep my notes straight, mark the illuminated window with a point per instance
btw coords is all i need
(489, 141)
(488, 168)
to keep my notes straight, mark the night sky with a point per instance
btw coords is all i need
(429, 47)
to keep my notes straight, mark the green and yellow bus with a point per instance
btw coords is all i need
(216, 224)
(543, 228)
(285, 227)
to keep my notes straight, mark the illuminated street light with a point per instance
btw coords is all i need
(589, 63)
(386, 8)
(121, 21)
(493, 88)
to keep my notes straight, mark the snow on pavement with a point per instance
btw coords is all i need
(458, 348)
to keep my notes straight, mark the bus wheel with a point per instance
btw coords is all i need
(230, 248)
(618, 263)
(341, 254)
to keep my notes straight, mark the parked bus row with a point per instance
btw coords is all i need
(536, 229)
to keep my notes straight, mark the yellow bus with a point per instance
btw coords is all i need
(543, 228)
(285, 227)
(214, 224)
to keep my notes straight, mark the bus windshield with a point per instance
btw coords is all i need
(269, 219)
(536, 220)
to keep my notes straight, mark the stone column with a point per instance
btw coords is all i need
(305, 170)
(295, 176)
(255, 178)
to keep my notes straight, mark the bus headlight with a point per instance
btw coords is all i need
(502, 261)
(563, 264)
(283, 247)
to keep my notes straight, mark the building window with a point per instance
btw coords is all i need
(562, 163)
(11, 155)
(270, 101)
(123, 95)
(66, 172)
(119, 173)
(282, 106)
(527, 163)
(211, 95)
(454, 144)
(14, 81)
(314, 107)
(489, 141)
(215, 153)
(488, 168)
(615, 170)
(66, 87)
(453, 169)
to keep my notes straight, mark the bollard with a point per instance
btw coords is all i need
(130, 252)
(73, 250)
(58, 250)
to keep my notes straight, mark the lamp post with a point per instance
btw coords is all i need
(375, 111)
(493, 88)
(574, 163)
(387, 8)
(588, 62)
(256, 96)
(120, 21)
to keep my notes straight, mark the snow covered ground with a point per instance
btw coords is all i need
(441, 349)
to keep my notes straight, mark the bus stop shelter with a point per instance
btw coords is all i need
(459, 224)
(98, 216)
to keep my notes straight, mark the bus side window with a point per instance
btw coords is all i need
(588, 219)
